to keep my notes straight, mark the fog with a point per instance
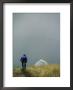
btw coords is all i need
(38, 36)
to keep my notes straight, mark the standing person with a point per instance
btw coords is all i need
(23, 61)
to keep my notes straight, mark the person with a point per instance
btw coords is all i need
(23, 61)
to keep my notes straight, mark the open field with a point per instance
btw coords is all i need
(50, 70)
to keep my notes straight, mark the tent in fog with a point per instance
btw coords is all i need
(41, 62)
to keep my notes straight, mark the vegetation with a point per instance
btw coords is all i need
(50, 70)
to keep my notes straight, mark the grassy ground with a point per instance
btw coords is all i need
(50, 70)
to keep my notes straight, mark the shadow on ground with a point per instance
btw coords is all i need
(26, 73)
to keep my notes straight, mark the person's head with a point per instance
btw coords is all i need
(24, 54)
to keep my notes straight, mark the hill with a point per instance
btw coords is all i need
(50, 70)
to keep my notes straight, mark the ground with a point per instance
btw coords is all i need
(50, 70)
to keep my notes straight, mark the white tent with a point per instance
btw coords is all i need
(41, 62)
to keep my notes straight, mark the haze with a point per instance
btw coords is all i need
(38, 36)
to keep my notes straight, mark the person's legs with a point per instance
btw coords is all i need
(24, 65)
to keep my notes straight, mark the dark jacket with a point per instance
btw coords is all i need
(23, 59)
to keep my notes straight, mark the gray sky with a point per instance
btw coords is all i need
(37, 35)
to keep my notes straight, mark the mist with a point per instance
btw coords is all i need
(38, 36)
